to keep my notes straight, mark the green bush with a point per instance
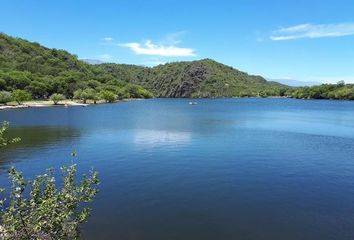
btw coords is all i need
(38, 209)
(47, 212)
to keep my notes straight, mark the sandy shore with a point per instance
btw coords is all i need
(66, 103)
(48, 103)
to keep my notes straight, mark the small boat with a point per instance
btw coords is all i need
(193, 103)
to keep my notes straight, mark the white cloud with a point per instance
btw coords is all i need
(105, 57)
(313, 31)
(149, 48)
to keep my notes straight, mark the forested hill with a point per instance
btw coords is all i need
(203, 78)
(43, 71)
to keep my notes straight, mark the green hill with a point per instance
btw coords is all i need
(43, 71)
(203, 78)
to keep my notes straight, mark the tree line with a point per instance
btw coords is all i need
(339, 91)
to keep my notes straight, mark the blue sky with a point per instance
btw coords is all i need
(302, 40)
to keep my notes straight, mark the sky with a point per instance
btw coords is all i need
(308, 40)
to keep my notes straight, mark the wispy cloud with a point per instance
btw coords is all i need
(159, 49)
(108, 39)
(173, 38)
(313, 31)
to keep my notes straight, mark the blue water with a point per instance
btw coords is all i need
(222, 169)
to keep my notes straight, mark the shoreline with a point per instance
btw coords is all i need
(72, 103)
(42, 103)
(48, 103)
(64, 103)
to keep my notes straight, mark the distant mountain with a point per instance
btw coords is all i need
(296, 83)
(92, 61)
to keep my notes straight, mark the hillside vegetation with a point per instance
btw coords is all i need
(42, 72)
(340, 91)
(29, 69)
(203, 78)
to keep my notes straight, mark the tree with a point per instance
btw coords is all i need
(57, 97)
(37, 89)
(341, 83)
(93, 84)
(108, 96)
(96, 97)
(87, 94)
(20, 96)
(77, 94)
(2, 84)
(5, 97)
(134, 91)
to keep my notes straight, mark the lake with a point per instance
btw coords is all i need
(247, 169)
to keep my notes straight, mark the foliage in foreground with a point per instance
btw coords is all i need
(46, 212)
(39, 210)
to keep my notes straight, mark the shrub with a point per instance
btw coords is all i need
(5, 97)
(39, 210)
(47, 212)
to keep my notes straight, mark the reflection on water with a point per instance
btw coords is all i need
(223, 169)
(158, 137)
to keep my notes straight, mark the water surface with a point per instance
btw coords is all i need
(222, 169)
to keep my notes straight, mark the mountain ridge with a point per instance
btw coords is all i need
(199, 78)
(43, 67)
